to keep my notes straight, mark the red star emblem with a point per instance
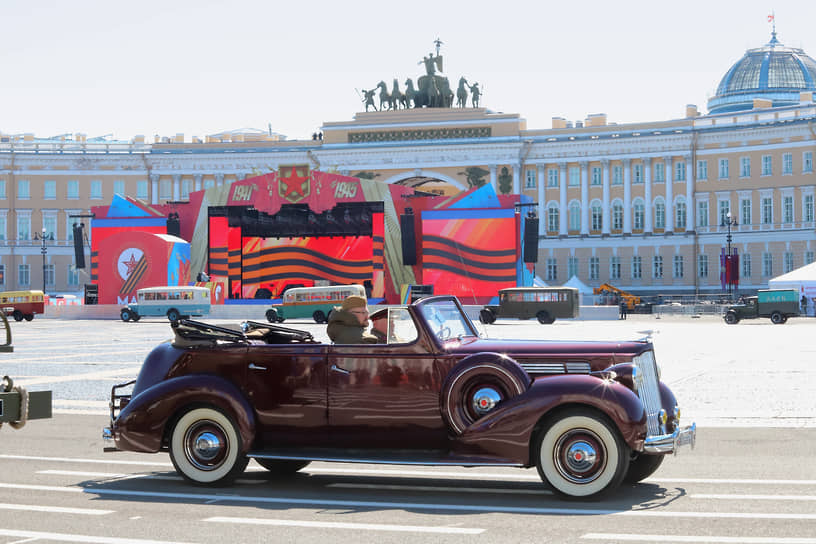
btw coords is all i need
(293, 187)
(131, 264)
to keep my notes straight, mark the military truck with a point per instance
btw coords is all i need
(16, 404)
(776, 304)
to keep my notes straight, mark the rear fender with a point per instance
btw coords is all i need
(508, 430)
(144, 421)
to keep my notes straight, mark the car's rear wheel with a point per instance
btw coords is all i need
(474, 387)
(173, 315)
(282, 467)
(272, 315)
(581, 454)
(545, 318)
(29, 317)
(643, 466)
(319, 317)
(125, 315)
(731, 318)
(136, 317)
(205, 447)
(487, 316)
(777, 318)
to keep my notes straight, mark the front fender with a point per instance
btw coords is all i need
(142, 423)
(507, 431)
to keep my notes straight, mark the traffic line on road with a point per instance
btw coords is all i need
(608, 537)
(55, 509)
(749, 481)
(753, 497)
(491, 508)
(85, 539)
(346, 525)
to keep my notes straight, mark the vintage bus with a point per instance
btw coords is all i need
(314, 302)
(23, 304)
(543, 303)
(174, 301)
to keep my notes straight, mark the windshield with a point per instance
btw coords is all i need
(446, 318)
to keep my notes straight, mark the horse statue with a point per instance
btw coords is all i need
(410, 94)
(385, 98)
(445, 92)
(397, 98)
(461, 93)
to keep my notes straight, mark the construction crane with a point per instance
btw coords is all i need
(613, 295)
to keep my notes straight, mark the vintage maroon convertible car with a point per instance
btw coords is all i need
(588, 415)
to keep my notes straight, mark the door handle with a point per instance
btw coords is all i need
(340, 370)
(253, 366)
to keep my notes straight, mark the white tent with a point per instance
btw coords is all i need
(802, 279)
(583, 289)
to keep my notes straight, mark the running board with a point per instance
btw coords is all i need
(384, 457)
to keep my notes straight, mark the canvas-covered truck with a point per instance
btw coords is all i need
(776, 304)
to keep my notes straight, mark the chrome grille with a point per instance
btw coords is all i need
(648, 390)
(556, 368)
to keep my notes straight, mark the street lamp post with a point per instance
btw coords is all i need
(44, 251)
(728, 222)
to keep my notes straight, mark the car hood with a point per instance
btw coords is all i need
(547, 348)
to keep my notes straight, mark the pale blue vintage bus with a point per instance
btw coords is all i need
(174, 301)
(314, 302)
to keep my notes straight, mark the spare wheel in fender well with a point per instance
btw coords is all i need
(476, 384)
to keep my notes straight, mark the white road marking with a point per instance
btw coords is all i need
(55, 509)
(84, 539)
(608, 537)
(353, 526)
(749, 481)
(110, 461)
(753, 497)
(495, 508)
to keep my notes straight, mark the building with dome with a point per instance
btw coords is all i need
(772, 73)
(648, 207)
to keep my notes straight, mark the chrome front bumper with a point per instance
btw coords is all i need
(669, 443)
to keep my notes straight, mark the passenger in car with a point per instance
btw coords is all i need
(348, 323)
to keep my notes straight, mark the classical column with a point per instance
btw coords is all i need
(647, 195)
(584, 198)
(563, 229)
(605, 217)
(154, 182)
(492, 169)
(669, 195)
(516, 175)
(542, 204)
(197, 181)
(627, 196)
(219, 179)
(176, 187)
(691, 209)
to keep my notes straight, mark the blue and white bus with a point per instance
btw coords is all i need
(174, 301)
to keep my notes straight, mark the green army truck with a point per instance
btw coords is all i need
(776, 304)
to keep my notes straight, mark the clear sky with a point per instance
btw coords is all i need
(200, 67)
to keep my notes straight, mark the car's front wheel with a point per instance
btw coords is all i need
(17, 315)
(205, 447)
(581, 454)
(319, 317)
(544, 318)
(173, 315)
(272, 315)
(125, 315)
(282, 467)
(487, 316)
(643, 466)
(731, 318)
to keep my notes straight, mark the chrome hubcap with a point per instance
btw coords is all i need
(580, 456)
(207, 446)
(484, 400)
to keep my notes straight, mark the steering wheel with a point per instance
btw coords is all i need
(444, 333)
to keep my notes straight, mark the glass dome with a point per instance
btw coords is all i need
(772, 72)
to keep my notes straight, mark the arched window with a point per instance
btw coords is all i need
(638, 214)
(680, 213)
(574, 216)
(597, 215)
(553, 217)
(617, 215)
(660, 214)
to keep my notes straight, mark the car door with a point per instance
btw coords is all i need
(384, 396)
(286, 385)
